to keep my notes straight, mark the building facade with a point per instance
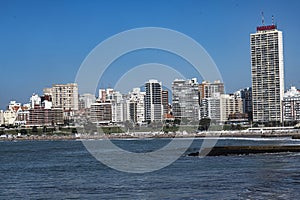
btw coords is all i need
(267, 74)
(136, 106)
(246, 96)
(165, 101)
(153, 101)
(230, 104)
(39, 116)
(116, 99)
(185, 99)
(209, 90)
(65, 96)
(210, 108)
(86, 100)
(291, 105)
(210, 100)
(101, 113)
(1, 117)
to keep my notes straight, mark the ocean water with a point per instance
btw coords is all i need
(65, 170)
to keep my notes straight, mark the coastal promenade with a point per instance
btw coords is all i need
(260, 133)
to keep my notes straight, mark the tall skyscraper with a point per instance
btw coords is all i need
(153, 101)
(267, 74)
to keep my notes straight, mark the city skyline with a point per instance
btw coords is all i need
(45, 43)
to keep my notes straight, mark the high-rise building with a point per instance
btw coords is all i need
(136, 106)
(210, 108)
(153, 101)
(210, 94)
(65, 96)
(116, 100)
(246, 95)
(185, 99)
(267, 74)
(165, 101)
(209, 90)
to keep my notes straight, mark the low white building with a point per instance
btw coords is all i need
(10, 117)
(291, 105)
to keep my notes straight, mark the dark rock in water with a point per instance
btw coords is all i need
(245, 150)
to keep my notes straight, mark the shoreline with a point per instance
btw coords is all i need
(293, 134)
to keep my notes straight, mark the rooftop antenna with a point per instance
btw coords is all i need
(262, 18)
(272, 19)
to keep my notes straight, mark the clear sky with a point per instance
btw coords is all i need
(44, 42)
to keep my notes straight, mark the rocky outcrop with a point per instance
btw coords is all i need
(245, 150)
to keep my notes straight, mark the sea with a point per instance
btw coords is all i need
(66, 170)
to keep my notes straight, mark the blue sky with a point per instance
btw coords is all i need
(44, 42)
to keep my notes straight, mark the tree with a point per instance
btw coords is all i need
(74, 130)
(23, 132)
(204, 124)
(90, 127)
(34, 129)
(44, 129)
(177, 121)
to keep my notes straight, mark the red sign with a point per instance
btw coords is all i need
(266, 28)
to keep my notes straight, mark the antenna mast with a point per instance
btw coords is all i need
(262, 18)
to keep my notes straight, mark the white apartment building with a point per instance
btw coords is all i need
(116, 100)
(210, 108)
(136, 106)
(65, 96)
(267, 73)
(210, 94)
